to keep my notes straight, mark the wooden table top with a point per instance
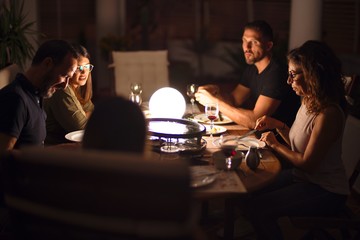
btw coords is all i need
(266, 172)
(268, 169)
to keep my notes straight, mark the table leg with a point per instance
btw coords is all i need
(229, 218)
(204, 209)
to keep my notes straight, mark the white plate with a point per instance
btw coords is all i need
(242, 144)
(216, 130)
(203, 119)
(202, 181)
(75, 136)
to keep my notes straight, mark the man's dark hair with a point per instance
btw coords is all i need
(262, 27)
(55, 49)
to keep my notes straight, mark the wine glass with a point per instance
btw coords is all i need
(191, 89)
(136, 88)
(212, 112)
(135, 94)
(135, 98)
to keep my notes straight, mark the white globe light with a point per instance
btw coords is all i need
(167, 103)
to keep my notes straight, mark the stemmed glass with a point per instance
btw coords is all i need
(212, 112)
(191, 89)
(135, 94)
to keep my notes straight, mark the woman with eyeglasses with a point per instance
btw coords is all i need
(317, 185)
(69, 109)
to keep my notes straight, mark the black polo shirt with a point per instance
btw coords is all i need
(21, 113)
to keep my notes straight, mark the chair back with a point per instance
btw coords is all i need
(58, 194)
(350, 146)
(150, 68)
(8, 74)
(352, 94)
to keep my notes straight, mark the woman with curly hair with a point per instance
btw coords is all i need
(317, 184)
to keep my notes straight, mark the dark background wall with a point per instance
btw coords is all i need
(161, 24)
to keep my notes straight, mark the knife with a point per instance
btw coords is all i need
(240, 137)
(246, 134)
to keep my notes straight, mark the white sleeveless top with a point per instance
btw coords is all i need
(330, 174)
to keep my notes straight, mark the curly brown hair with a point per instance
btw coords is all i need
(322, 75)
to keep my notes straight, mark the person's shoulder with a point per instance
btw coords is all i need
(333, 110)
(331, 117)
(12, 96)
(13, 89)
(62, 93)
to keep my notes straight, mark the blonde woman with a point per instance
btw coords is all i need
(69, 109)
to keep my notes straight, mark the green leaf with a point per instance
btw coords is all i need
(15, 32)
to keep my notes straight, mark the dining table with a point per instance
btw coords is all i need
(234, 185)
(230, 185)
(251, 180)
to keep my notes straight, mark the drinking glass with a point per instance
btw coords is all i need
(136, 98)
(191, 89)
(212, 112)
(136, 88)
(228, 144)
(135, 93)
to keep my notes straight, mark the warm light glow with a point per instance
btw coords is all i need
(167, 103)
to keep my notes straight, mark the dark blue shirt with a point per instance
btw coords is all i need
(21, 113)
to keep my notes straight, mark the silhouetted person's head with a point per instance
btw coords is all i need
(116, 124)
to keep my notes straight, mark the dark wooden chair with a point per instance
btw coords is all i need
(57, 194)
(346, 224)
(352, 91)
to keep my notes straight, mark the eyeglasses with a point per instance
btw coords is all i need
(88, 67)
(293, 75)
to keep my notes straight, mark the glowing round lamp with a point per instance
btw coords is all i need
(167, 103)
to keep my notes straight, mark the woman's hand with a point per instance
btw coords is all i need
(269, 138)
(264, 123)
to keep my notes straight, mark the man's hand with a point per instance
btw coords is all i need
(203, 97)
(211, 88)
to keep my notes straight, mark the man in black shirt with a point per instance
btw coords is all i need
(22, 118)
(262, 90)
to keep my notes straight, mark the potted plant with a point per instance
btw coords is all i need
(15, 47)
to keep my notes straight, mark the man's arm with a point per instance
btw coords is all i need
(247, 118)
(239, 95)
(7, 142)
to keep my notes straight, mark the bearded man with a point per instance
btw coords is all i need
(262, 89)
(22, 117)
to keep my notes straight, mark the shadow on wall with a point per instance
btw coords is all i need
(219, 64)
(351, 64)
